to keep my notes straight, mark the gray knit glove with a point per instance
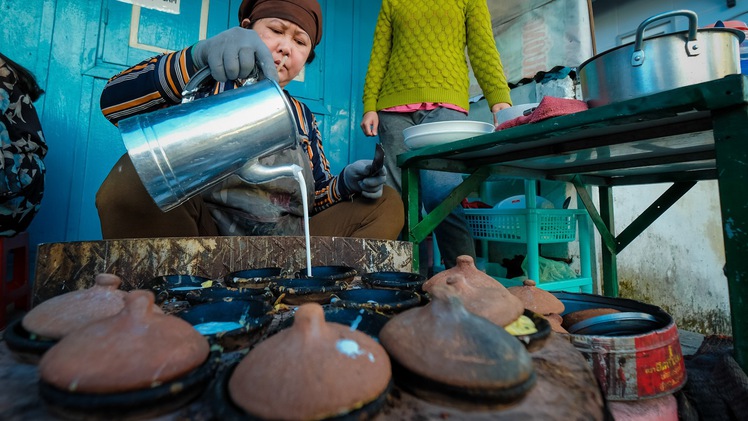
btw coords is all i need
(358, 178)
(232, 55)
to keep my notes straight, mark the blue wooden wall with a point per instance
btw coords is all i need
(74, 46)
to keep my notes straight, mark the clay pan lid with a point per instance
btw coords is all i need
(64, 313)
(479, 293)
(137, 348)
(536, 299)
(465, 266)
(445, 343)
(495, 304)
(324, 369)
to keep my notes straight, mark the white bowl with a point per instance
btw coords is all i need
(441, 132)
(515, 111)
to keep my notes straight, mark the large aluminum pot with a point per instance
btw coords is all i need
(182, 150)
(660, 63)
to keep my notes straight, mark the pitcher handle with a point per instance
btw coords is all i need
(203, 76)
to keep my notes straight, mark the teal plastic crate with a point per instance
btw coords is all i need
(511, 225)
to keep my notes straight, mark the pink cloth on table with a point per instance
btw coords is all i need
(549, 107)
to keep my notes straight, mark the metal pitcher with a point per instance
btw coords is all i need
(182, 150)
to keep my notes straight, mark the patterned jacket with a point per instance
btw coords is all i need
(23, 149)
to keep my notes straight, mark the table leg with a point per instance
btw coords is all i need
(585, 250)
(533, 231)
(731, 146)
(603, 221)
(417, 229)
(609, 258)
(411, 199)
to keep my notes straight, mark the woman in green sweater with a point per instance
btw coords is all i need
(418, 73)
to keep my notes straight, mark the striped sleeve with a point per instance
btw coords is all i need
(149, 85)
(328, 189)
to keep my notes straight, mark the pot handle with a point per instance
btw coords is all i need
(203, 75)
(692, 45)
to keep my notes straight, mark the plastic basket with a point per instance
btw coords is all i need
(510, 225)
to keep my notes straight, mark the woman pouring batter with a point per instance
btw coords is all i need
(279, 37)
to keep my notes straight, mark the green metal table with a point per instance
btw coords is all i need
(682, 136)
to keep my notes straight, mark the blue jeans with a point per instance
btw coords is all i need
(452, 234)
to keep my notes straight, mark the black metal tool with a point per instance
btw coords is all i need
(378, 162)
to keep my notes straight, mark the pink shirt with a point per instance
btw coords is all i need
(423, 106)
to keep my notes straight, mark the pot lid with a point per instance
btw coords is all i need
(323, 369)
(478, 292)
(64, 313)
(495, 304)
(536, 299)
(445, 343)
(464, 265)
(137, 348)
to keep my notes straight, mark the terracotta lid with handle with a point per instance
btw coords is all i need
(311, 370)
(64, 313)
(537, 300)
(465, 266)
(137, 348)
(479, 293)
(495, 304)
(444, 342)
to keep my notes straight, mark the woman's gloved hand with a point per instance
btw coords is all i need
(357, 176)
(233, 54)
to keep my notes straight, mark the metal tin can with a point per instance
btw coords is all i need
(631, 367)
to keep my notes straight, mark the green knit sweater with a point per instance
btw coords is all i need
(419, 54)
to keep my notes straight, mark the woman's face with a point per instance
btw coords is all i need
(284, 39)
